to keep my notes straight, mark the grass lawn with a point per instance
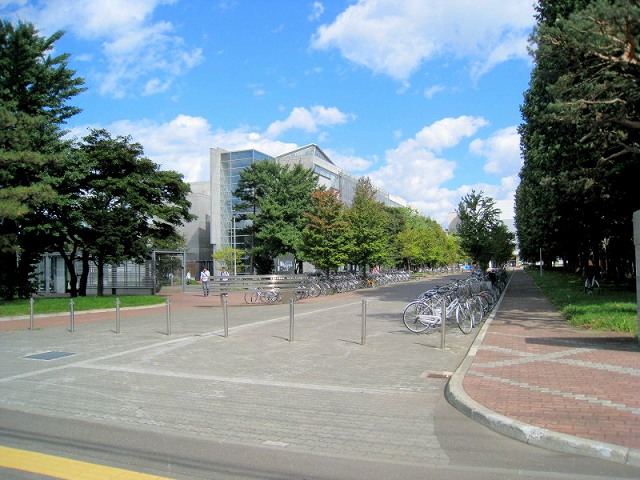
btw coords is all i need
(43, 306)
(614, 308)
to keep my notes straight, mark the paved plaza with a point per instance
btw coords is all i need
(329, 392)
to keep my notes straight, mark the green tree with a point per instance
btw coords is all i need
(482, 234)
(397, 218)
(453, 252)
(326, 238)
(229, 257)
(580, 137)
(275, 198)
(410, 246)
(424, 243)
(112, 204)
(502, 244)
(369, 221)
(34, 90)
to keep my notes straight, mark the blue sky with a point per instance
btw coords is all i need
(422, 96)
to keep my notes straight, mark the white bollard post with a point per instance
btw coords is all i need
(31, 315)
(291, 318)
(443, 323)
(363, 340)
(117, 315)
(168, 317)
(72, 316)
(225, 315)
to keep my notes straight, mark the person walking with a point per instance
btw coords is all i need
(224, 277)
(204, 280)
(475, 269)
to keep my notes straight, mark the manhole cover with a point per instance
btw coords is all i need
(49, 355)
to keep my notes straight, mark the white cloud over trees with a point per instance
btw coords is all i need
(395, 38)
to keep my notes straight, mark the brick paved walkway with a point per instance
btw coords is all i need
(533, 367)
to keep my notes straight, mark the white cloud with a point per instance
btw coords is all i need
(507, 50)
(431, 91)
(257, 89)
(448, 132)
(395, 38)
(308, 120)
(502, 151)
(349, 162)
(317, 9)
(140, 55)
(183, 144)
(418, 170)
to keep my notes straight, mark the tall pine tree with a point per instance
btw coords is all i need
(34, 90)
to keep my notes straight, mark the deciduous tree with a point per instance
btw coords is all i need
(112, 204)
(483, 236)
(326, 239)
(275, 198)
(369, 221)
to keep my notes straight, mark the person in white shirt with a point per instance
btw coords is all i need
(204, 280)
(224, 276)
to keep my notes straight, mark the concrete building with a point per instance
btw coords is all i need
(217, 225)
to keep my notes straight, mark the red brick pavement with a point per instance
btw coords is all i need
(180, 301)
(533, 367)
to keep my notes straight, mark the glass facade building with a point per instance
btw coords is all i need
(226, 228)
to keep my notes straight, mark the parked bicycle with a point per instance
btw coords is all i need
(426, 312)
(468, 300)
(270, 295)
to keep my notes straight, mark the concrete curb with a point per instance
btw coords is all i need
(526, 433)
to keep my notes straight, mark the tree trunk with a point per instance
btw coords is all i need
(84, 276)
(100, 265)
(73, 276)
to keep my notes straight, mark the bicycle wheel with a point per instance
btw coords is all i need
(415, 317)
(483, 300)
(272, 296)
(477, 311)
(595, 287)
(464, 318)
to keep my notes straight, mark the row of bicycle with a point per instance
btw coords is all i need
(314, 285)
(468, 301)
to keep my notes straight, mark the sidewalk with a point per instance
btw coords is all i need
(532, 377)
(525, 374)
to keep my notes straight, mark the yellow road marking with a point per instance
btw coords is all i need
(65, 468)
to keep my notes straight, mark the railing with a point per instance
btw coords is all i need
(299, 286)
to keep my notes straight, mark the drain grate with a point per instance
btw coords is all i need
(49, 355)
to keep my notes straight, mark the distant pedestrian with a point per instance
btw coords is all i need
(204, 279)
(475, 269)
(224, 277)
